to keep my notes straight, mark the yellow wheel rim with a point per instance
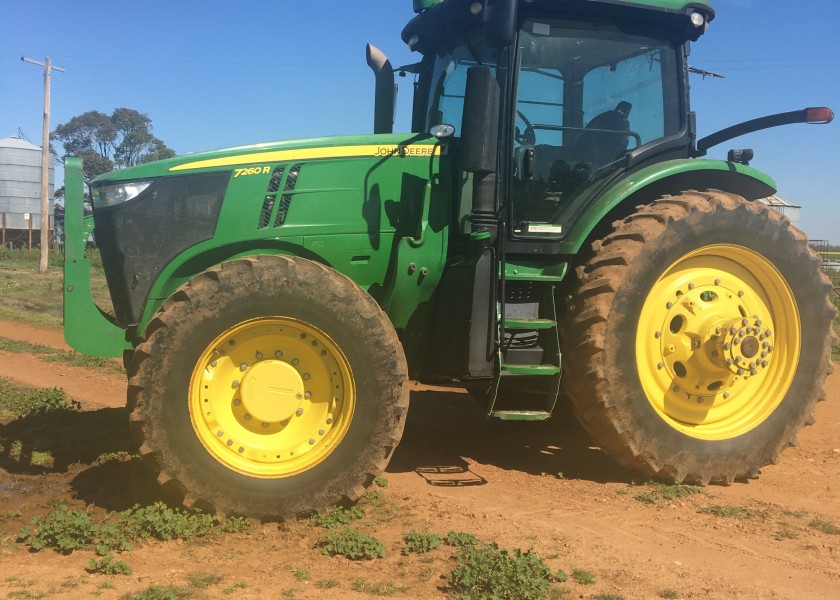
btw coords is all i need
(271, 397)
(718, 342)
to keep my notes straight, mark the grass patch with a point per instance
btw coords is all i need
(378, 589)
(460, 539)
(583, 577)
(23, 401)
(824, 526)
(668, 594)
(108, 566)
(67, 357)
(659, 492)
(158, 592)
(36, 298)
(736, 512)
(327, 584)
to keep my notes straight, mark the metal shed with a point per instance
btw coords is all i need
(784, 206)
(20, 189)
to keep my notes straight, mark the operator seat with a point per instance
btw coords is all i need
(602, 141)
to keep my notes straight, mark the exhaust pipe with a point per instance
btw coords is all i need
(385, 95)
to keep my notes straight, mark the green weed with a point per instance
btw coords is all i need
(420, 542)
(302, 574)
(486, 571)
(460, 538)
(668, 594)
(380, 481)
(327, 584)
(108, 566)
(68, 530)
(607, 597)
(338, 517)
(239, 585)
(352, 544)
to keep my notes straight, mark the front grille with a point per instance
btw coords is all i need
(286, 199)
(139, 238)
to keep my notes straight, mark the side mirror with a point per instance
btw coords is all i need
(500, 17)
(480, 123)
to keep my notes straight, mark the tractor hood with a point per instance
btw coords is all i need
(282, 151)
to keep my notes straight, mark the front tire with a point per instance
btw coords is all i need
(699, 338)
(268, 386)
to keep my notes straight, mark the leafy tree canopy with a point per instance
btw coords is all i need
(105, 142)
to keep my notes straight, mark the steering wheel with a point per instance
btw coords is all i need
(528, 138)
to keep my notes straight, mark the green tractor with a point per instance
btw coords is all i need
(272, 301)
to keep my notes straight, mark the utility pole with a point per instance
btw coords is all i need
(45, 162)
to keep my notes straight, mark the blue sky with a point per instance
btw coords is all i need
(213, 74)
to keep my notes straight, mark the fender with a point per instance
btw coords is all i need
(671, 176)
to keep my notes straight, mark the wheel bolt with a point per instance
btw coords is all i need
(306, 376)
(726, 394)
(752, 365)
(295, 361)
(727, 346)
(691, 286)
(213, 363)
(235, 384)
(764, 354)
(657, 335)
(730, 361)
(744, 322)
(307, 394)
(237, 402)
(312, 441)
(717, 330)
(660, 366)
(299, 412)
(265, 425)
(732, 331)
(717, 281)
(740, 293)
(741, 371)
(243, 367)
(322, 431)
(259, 356)
(248, 417)
(669, 305)
(758, 322)
(329, 421)
(278, 354)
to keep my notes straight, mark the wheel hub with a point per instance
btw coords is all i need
(707, 331)
(272, 391)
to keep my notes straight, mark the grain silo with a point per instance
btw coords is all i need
(20, 191)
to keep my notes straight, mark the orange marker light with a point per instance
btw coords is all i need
(819, 115)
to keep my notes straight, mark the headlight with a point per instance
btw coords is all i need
(110, 194)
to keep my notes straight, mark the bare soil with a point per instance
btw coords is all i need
(541, 486)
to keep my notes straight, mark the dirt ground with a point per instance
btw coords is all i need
(540, 486)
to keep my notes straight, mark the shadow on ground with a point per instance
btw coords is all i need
(448, 429)
(445, 432)
(94, 448)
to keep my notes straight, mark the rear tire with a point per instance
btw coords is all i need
(268, 386)
(668, 367)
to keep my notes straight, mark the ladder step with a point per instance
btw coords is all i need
(530, 324)
(546, 370)
(521, 415)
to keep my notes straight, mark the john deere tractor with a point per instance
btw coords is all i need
(550, 210)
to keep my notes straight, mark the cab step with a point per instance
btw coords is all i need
(538, 370)
(521, 415)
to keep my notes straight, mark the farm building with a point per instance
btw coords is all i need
(784, 206)
(20, 191)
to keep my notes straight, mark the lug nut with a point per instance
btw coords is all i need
(306, 376)
(669, 305)
(237, 402)
(717, 330)
(726, 394)
(691, 286)
(299, 412)
(259, 356)
(235, 384)
(307, 395)
(278, 354)
(660, 366)
(741, 371)
(732, 331)
(727, 346)
(312, 441)
(322, 431)
(329, 421)
(243, 367)
(657, 335)
(717, 281)
(740, 293)
(295, 361)
(213, 363)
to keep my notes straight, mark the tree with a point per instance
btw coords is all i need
(105, 142)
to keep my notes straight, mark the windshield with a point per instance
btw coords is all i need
(586, 95)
